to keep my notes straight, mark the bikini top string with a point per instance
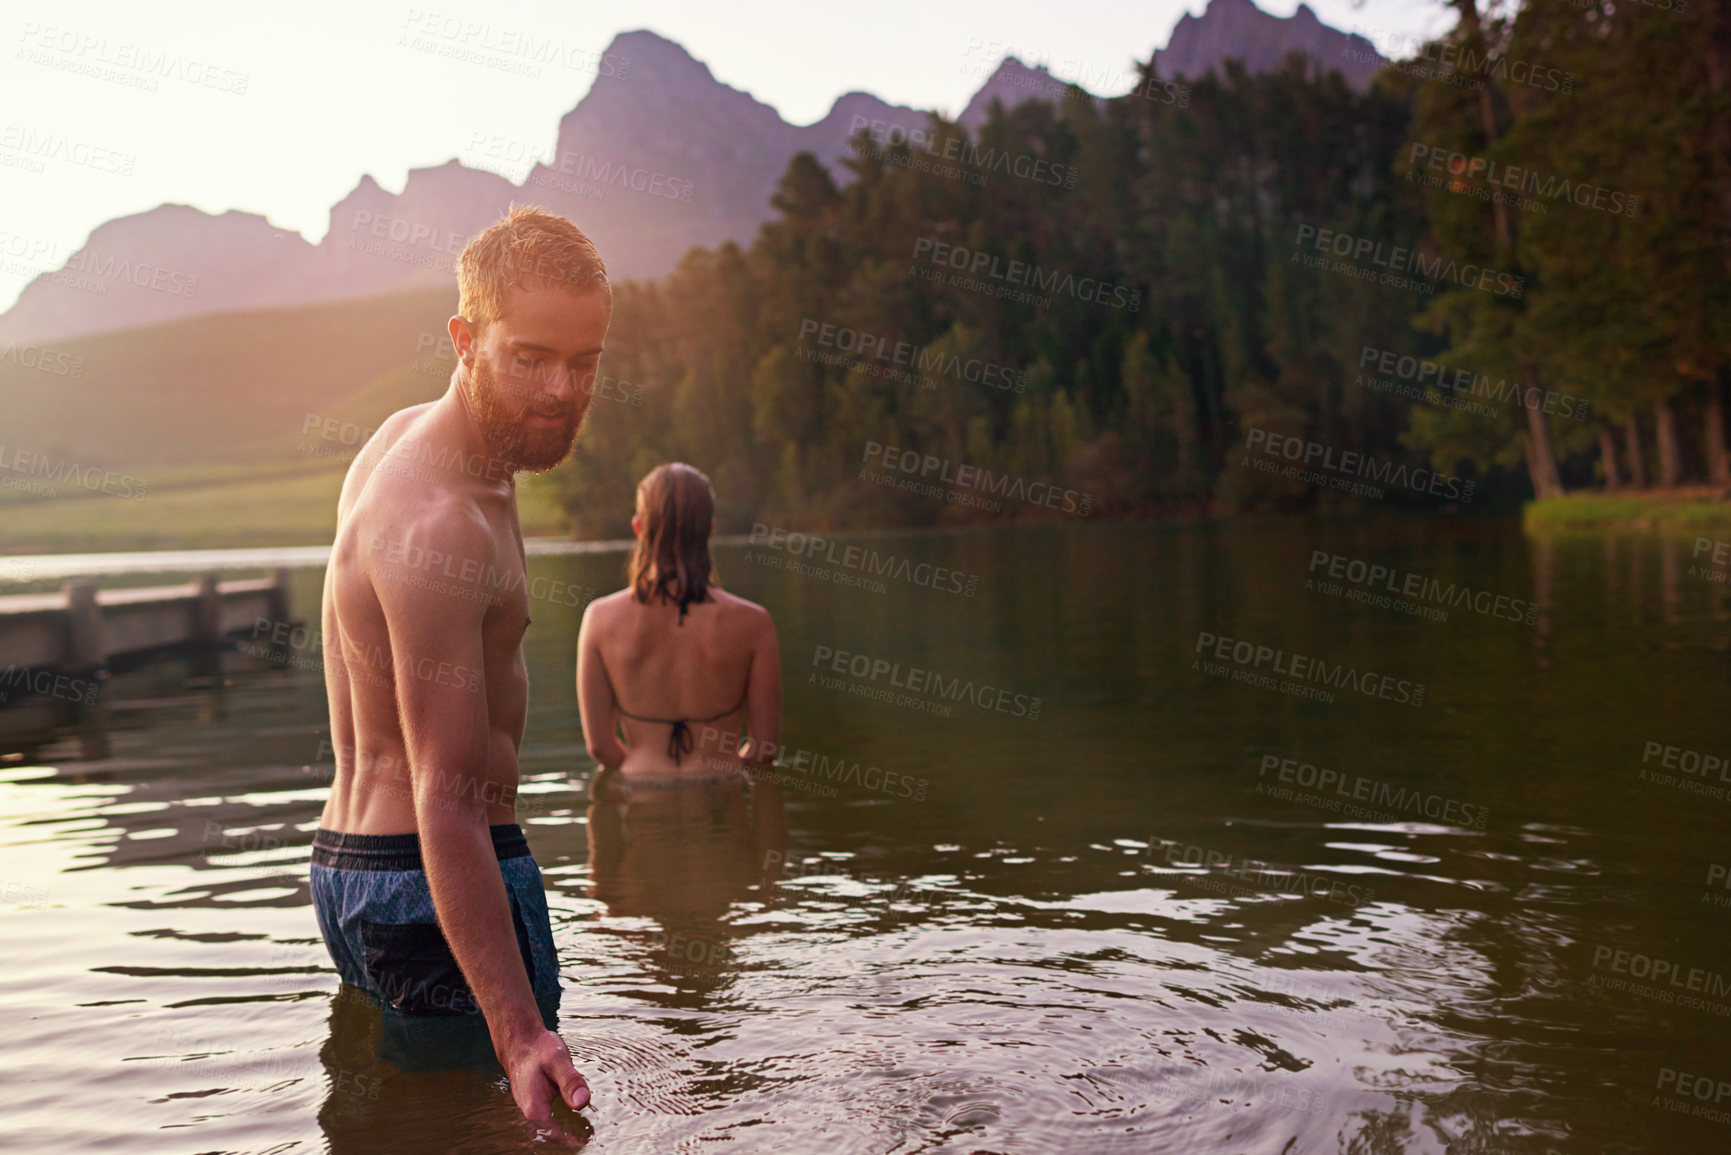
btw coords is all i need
(679, 742)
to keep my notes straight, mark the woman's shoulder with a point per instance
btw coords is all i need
(733, 604)
(608, 605)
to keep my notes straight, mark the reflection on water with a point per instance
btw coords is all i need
(1173, 912)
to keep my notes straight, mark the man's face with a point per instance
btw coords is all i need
(533, 372)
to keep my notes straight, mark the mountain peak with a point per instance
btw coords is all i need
(1239, 30)
(641, 54)
(1012, 83)
(657, 157)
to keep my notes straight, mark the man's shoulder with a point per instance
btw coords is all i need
(392, 428)
(437, 531)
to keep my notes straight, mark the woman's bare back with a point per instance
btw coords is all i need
(695, 687)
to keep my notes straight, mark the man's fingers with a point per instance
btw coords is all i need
(572, 1086)
(534, 1096)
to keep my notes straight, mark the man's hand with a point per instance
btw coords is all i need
(540, 1069)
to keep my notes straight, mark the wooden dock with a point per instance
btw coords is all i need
(57, 648)
(82, 628)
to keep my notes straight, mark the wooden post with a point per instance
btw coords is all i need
(278, 612)
(87, 653)
(207, 634)
(207, 614)
(279, 597)
(86, 648)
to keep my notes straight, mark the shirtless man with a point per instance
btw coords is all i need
(423, 885)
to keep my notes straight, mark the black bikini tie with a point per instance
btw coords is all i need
(679, 743)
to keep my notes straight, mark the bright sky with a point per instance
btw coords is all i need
(280, 111)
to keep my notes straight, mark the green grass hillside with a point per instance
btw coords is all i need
(213, 431)
(207, 389)
(215, 507)
(1684, 508)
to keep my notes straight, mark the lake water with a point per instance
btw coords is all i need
(1477, 902)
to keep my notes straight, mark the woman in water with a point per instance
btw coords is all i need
(673, 671)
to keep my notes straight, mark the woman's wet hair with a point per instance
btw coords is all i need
(671, 559)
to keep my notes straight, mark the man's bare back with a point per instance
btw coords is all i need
(421, 529)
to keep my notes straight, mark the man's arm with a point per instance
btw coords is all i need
(438, 655)
(595, 704)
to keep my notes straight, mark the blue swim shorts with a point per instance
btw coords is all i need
(376, 914)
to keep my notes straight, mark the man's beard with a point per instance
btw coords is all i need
(505, 411)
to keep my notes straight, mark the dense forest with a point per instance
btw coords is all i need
(1508, 262)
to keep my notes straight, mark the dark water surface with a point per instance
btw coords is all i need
(1110, 927)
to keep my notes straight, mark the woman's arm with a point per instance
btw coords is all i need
(595, 703)
(763, 696)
